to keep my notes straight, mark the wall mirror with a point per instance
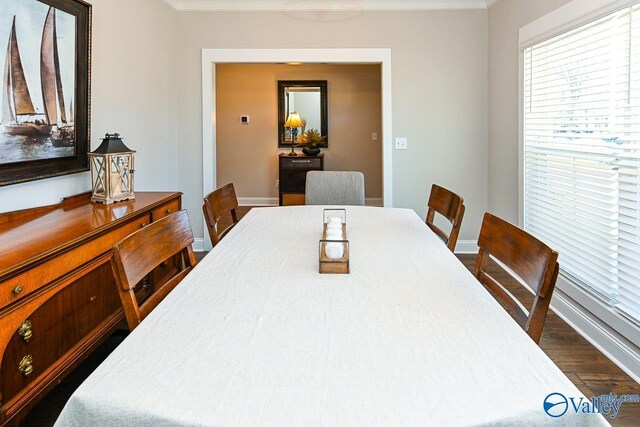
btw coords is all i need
(308, 98)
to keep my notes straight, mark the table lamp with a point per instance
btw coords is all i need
(293, 122)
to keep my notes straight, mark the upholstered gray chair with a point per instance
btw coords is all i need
(334, 188)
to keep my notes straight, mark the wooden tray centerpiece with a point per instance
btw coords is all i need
(334, 246)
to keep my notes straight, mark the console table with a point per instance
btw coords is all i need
(58, 297)
(293, 176)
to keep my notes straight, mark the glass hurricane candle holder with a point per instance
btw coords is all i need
(334, 246)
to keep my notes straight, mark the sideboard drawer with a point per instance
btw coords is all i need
(302, 163)
(31, 280)
(167, 209)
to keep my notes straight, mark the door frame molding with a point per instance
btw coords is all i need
(211, 57)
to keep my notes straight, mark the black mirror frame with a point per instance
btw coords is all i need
(282, 85)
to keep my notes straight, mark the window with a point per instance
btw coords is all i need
(581, 132)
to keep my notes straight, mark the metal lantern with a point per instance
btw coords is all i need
(112, 170)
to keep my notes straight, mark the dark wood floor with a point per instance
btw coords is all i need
(583, 364)
(590, 370)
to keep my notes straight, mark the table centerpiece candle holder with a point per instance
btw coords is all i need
(334, 246)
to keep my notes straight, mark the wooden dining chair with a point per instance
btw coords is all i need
(449, 205)
(217, 205)
(135, 256)
(531, 260)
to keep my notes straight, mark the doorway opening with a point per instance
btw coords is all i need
(247, 150)
(212, 118)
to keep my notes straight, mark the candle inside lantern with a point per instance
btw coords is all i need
(334, 246)
(334, 250)
(335, 230)
(116, 183)
(334, 220)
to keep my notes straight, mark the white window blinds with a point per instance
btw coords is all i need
(582, 154)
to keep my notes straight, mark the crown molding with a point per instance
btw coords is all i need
(326, 5)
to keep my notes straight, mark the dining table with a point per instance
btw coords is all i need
(255, 335)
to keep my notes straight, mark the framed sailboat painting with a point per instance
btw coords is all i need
(45, 88)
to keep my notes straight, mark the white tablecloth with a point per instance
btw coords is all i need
(256, 336)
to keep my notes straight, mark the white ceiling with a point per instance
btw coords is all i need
(327, 5)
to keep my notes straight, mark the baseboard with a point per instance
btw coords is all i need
(613, 345)
(466, 247)
(273, 201)
(198, 244)
(258, 201)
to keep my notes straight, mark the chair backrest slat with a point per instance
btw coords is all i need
(518, 311)
(525, 255)
(216, 205)
(138, 254)
(531, 260)
(449, 205)
(334, 188)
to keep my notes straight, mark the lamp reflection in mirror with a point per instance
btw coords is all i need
(111, 171)
(293, 122)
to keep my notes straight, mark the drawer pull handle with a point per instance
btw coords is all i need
(301, 161)
(168, 211)
(18, 290)
(25, 330)
(26, 365)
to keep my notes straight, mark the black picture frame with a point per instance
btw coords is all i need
(31, 170)
(282, 107)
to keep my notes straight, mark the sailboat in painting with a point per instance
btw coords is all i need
(19, 115)
(52, 93)
(18, 112)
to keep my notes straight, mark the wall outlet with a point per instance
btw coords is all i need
(277, 183)
(401, 143)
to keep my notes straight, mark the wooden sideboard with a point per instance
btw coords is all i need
(58, 297)
(293, 176)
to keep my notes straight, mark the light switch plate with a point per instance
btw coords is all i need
(245, 120)
(401, 143)
(374, 136)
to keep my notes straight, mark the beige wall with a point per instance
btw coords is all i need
(247, 154)
(133, 91)
(505, 19)
(147, 86)
(439, 101)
